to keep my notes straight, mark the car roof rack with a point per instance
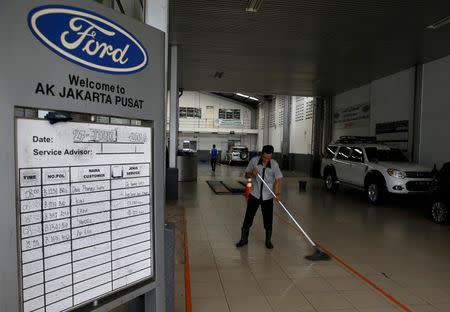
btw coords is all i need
(348, 139)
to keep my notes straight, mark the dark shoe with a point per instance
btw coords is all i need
(269, 244)
(244, 238)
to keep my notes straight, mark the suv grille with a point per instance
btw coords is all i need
(419, 186)
(419, 175)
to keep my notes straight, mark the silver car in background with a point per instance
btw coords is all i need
(238, 154)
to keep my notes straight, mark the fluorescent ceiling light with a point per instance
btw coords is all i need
(439, 23)
(247, 97)
(253, 5)
(242, 95)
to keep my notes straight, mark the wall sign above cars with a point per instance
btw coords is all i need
(87, 39)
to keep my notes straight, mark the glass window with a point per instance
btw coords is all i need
(375, 154)
(190, 112)
(344, 153)
(357, 155)
(230, 114)
(330, 152)
(182, 112)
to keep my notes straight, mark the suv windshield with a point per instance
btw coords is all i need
(389, 154)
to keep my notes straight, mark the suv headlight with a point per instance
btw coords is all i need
(397, 173)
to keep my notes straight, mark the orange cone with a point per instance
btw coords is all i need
(248, 188)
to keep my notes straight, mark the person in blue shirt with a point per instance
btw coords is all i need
(214, 155)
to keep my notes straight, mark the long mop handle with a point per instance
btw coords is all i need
(289, 214)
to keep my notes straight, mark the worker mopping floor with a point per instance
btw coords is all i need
(318, 254)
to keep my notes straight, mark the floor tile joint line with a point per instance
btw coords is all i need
(187, 273)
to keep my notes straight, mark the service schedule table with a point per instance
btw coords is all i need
(85, 228)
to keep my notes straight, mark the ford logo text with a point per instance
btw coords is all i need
(87, 39)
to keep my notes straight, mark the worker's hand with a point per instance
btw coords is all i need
(255, 172)
(277, 197)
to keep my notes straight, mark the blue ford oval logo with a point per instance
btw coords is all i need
(87, 39)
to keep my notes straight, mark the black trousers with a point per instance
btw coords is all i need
(266, 209)
(213, 164)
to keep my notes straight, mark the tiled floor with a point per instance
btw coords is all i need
(393, 246)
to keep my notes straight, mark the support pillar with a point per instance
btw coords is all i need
(172, 171)
(173, 125)
(317, 135)
(414, 127)
(156, 14)
(327, 123)
(285, 144)
(266, 107)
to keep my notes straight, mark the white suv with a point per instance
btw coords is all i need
(239, 154)
(375, 168)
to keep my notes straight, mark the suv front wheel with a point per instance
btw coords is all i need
(439, 212)
(375, 191)
(330, 181)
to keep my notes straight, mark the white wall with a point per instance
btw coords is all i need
(391, 99)
(276, 128)
(205, 140)
(203, 100)
(260, 126)
(350, 98)
(300, 127)
(434, 145)
(207, 132)
(300, 130)
(157, 13)
(190, 99)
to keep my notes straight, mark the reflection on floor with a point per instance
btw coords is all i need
(394, 246)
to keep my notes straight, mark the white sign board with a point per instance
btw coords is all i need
(85, 211)
(354, 116)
